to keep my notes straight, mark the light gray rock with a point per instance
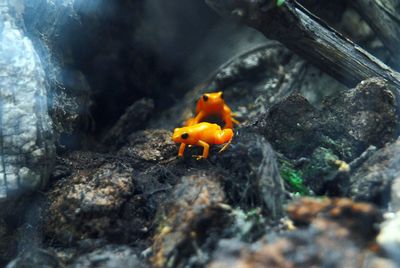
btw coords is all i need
(389, 236)
(26, 136)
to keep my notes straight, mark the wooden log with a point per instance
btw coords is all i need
(309, 37)
(384, 18)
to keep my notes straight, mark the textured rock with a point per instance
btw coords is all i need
(326, 241)
(148, 147)
(252, 176)
(36, 258)
(373, 180)
(26, 136)
(110, 257)
(86, 203)
(191, 220)
(367, 113)
(348, 123)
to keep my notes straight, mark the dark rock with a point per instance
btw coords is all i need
(110, 256)
(8, 243)
(321, 170)
(26, 134)
(36, 258)
(134, 118)
(367, 113)
(347, 124)
(252, 176)
(193, 219)
(372, 181)
(292, 126)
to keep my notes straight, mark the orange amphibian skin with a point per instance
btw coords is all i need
(202, 134)
(212, 104)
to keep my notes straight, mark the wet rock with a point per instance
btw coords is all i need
(252, 176)
(87, 203)
(109, 256)
(372, 181)
(324, 242)
(389, 237)
(134, 118)
(36, 258)
(26, 132)
(190, 222)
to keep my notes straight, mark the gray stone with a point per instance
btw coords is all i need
(389, 237)
(26, 134)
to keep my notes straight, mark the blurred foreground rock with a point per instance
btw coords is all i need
(324, 241)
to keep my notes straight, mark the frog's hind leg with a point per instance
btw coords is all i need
(235, 121)
(226, 137)
(225, 146)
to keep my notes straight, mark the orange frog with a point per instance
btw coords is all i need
(202, 134)
(212, 104)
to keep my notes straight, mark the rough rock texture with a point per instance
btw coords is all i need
(324, 242)
(110, 257)
(190, 222)
(85, 204)
(26, 134)
(252, 176)
(345, 126)
(373, 180)
(348, 122)
(36, 258)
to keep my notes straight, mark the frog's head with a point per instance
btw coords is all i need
(212, 100)
(183, 135)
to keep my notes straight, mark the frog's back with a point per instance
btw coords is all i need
(205, 126)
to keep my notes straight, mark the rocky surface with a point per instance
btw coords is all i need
(119, 196)
(26, 136)
(322, 239)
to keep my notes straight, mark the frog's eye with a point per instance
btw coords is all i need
(185, 136)
(205, 97)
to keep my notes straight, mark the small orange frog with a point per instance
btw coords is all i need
(212, 104)
(202, 134)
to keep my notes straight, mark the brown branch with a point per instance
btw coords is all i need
(308, 36)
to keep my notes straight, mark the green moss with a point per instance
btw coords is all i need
(280, 2)
(293, 179)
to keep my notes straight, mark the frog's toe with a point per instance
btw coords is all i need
(198, 157)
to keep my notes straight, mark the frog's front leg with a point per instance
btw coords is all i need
(197, 118)
(181, 149)
(206, 148)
